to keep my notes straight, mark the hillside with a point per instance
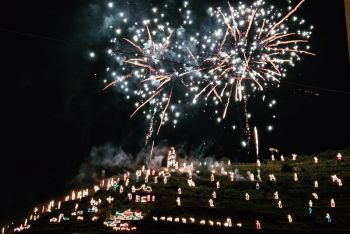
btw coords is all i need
(301, 194)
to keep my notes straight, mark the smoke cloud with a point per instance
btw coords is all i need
(110, 159)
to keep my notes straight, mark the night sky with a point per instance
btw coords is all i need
(54, 110)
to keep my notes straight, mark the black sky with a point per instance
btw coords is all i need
(54, 110)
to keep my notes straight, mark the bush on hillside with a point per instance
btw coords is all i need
(286, 167)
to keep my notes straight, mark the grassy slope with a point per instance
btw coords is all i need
(230, 200)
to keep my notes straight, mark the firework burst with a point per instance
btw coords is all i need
(243, 49)
(249, 47)
(156, 66)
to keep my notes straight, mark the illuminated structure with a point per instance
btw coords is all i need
(171, 160)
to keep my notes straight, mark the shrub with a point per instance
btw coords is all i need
(286, 167)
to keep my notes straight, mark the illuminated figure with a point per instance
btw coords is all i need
(232, 176)
(272, 150)
(310, 210)
(290, 218)
(310, 203)
(178, 200)
(339, 157)
(110, 199)
(340, 183)
(211, 202)
(334, 178)
(280, 204)
(332, 203)
(228, 222)
(258, 225)
(212, 178)
(258, 173)
(251, 176)
(295, 177)
(316, 184)
(272, 177)
(223, 172)
(328, 217)
(191, 183)
(273, 157)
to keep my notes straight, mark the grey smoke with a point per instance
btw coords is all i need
(108, 20)
(110, 159)
(101, 160)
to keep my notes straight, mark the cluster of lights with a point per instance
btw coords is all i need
(118, 222)
(119, 225)
(227, 223)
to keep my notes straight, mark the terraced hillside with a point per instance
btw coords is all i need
(303, 194)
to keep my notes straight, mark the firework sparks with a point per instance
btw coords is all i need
(256, 142)
(243, 49)
(249, 44)
(155, 69)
